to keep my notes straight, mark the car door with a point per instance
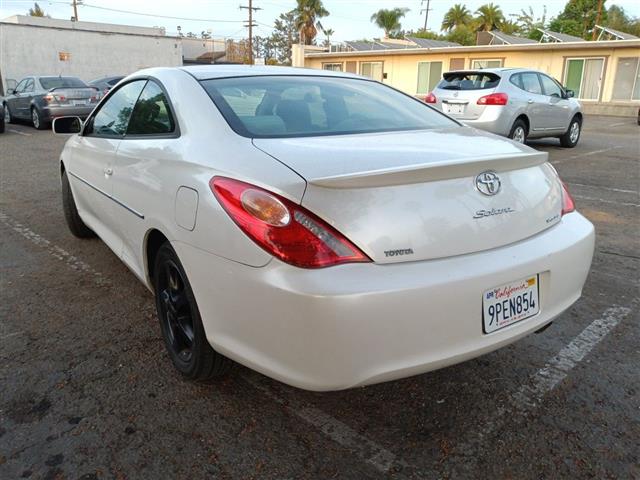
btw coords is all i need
(15, 101)
(91, 167)
(536, 102)
(145, 160)
(557, 109)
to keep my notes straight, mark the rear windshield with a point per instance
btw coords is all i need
(297, 106)
(61, 82)
(469, 81)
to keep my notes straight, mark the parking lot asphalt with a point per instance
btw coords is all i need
(87, 391)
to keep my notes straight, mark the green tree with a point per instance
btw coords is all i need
(456, 16)
(618, 19)
(464, 35)
(529, 23)
(307, 13)
(570, 27)
(489, 17)
(389, 19)
(36, 11)
(285, 34)
(580, 12)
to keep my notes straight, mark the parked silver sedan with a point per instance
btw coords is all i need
(41, 99)
(513, 102)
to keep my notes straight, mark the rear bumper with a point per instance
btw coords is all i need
(495, 119)
(51, 112)
(358, 324)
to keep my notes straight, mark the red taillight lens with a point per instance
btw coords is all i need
(494, 99)
(431, 98)
(568, 204)
(282, 228)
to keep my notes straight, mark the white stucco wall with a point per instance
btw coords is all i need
(34, 50)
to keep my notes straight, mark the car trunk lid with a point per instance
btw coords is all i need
(407, 196)
(72, 95)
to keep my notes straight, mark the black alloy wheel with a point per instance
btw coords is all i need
(180, 321)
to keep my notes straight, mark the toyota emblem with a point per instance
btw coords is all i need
(488, 183)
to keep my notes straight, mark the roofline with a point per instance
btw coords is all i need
(629, 43)
(86, 30)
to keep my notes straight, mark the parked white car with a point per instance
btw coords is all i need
(518, 103)
(321, 228)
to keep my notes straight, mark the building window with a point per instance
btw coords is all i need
(584, 77)
(429, 74)
(334, 67)
(627, 83)
(372, 70)
(486, 63)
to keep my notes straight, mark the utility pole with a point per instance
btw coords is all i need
(426, 12)
(75, 10)
(593, 33)
(251, 24)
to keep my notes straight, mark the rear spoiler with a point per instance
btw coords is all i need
(432, 171)
(71, 88)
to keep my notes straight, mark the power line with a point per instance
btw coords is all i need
(210, 20)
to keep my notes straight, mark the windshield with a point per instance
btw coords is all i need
(61, 82)
(296, 106)
(469, 81)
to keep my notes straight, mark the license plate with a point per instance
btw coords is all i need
(507, 304)
(79, 102)
(455, 108)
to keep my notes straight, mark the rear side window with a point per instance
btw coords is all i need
(151, 115)
(531, 84)
(295, 106)
(61, 82)
(469, 81)
(113, 117)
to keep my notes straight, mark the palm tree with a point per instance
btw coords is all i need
(457, 16)
(389, 20)
(489, 17)
(307, 12)
(328, 32)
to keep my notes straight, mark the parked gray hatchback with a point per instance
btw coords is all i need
(513, 102)
(41, 99)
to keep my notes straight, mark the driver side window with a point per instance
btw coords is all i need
(21, 86)
(551, 88)
(113, 117)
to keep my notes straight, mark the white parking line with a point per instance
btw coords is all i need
(548, 377)
(620, 124)
(594, 199)
(53, 249)
(9, 335)
(598, 187)
(13, 130)
(587, 154)
(366, 449)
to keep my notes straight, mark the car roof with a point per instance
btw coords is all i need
(205, 72)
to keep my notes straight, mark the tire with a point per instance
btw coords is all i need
(572, 135)
(74, 222)
(519, 131)
(180, 321)
(8, 118)
(36, 119)
(2, 123)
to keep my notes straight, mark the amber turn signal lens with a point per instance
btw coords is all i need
(265, 207)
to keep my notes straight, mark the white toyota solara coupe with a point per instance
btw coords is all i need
(321, 228)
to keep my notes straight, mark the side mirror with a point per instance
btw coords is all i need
(67, 125)
(570, 93)
(11, 91)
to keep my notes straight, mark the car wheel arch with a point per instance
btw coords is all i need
(525, 119)
(153, 240)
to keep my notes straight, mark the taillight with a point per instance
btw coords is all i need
(282, 228)
(431, 98)
(494, 99)
(568, 204)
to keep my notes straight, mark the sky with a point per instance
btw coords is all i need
(350, 19)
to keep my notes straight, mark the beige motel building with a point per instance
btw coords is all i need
(604, 74)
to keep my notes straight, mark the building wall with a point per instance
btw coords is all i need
(402, 69)
(36, 50)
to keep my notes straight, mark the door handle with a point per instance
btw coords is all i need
(108, 171)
